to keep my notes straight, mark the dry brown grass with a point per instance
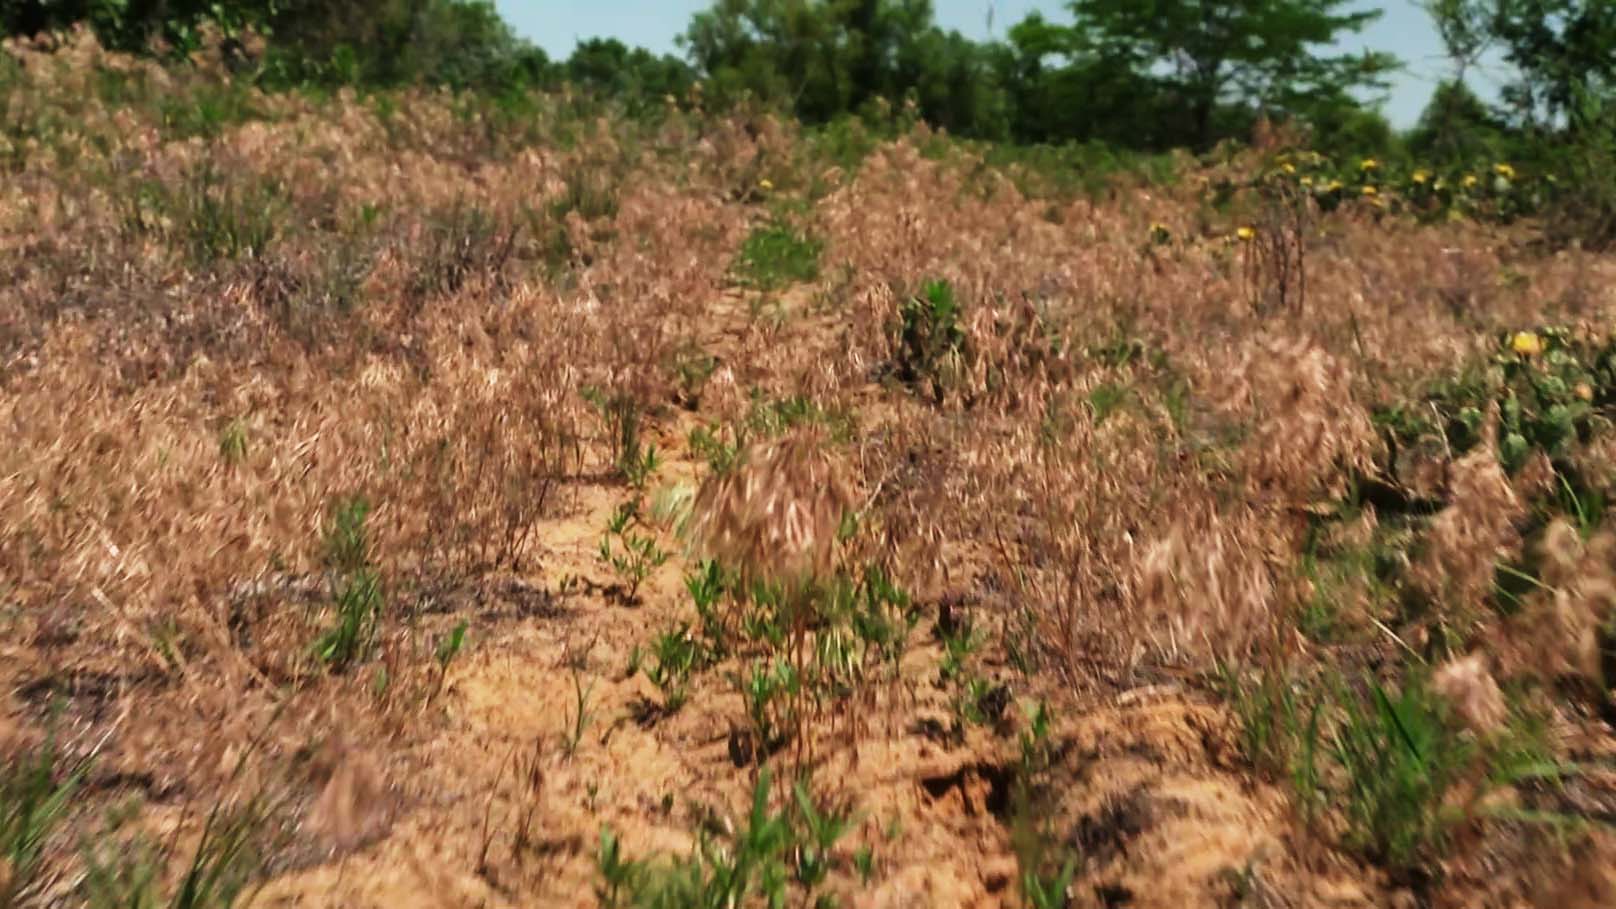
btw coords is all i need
(209, 339)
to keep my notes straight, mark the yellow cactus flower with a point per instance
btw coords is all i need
(1503, 169)
(1526, 343)
(1246, 234)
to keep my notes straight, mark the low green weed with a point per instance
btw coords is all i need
(707, 587)
(771, 690)
(636, 555)
(676, 654)
(776, 255)
(1045, 872)
(769, 853)
(233, 442)
(1400, 758)
(448, 648)
(581, 714)
(356, 587)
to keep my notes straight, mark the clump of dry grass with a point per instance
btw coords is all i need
(777, 516)
(1557, 633)
(1470, 687)
(1126, 461)
(1473, 533)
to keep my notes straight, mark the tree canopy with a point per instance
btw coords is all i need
(1136, 74)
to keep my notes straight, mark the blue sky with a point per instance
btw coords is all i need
(557, 25)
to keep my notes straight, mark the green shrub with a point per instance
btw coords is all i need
(931, 342)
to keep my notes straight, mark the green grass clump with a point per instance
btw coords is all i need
(236, 846)
(36, 792)
(777, 255)
(356, 587)
(1388, 758)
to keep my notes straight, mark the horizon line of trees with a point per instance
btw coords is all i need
(1144, 75)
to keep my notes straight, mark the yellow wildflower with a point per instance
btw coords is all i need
(1288, 167)
(1246, 234)
(1526, 343)
(1370, 191)
(1503, 169)
(765, 184)
(1307, 180)
(1420, 176)
(1470, 181)
(1584, 391)
(1332, 186)
(1368, 164)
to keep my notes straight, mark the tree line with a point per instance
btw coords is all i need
(1146, 75)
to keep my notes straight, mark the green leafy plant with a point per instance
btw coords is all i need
(766, 854)
(675, 654)
(636, 555)
(816, 838)
(931, 344)
(958, 647)
(620, 878)
(210, 217)
(463, 242)
(770, 690)
(221, 870)
(707, 442)
(1547, 384)
(707, 586)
